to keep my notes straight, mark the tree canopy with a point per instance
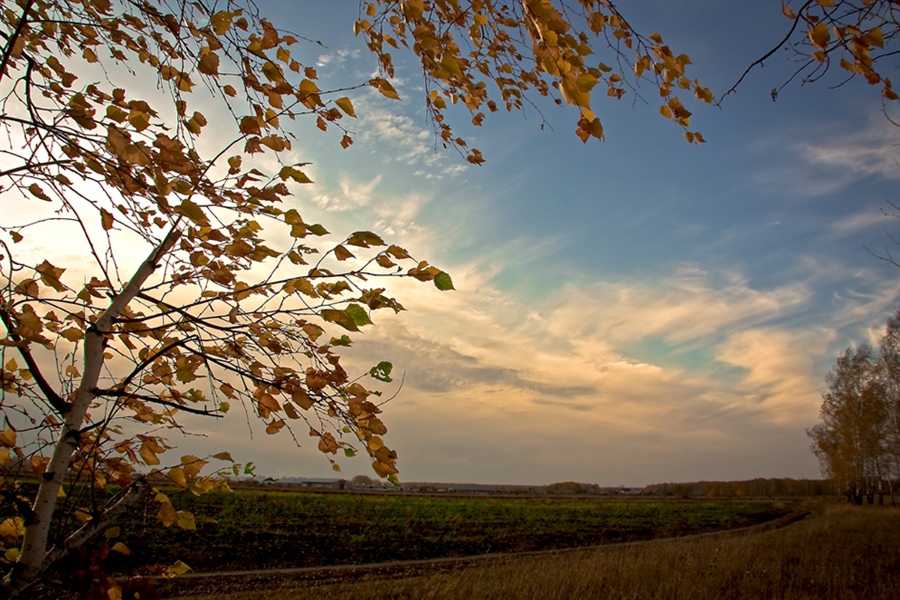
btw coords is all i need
(858, 440)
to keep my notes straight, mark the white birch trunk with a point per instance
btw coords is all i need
(34, 550)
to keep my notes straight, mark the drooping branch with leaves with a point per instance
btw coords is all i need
(860, 36)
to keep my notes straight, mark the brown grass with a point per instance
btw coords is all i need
(839, 552)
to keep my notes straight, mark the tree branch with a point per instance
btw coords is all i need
(157, 400)
(11, 42)
(31, 167)
(53, 398)
(767, 55)
(134, 494)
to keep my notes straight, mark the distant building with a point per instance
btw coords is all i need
(315, 482)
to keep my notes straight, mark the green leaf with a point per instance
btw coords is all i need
(317, 229)
(340, 317)
(341, 341)
(382, 371)
(358, 314)
(443, 282)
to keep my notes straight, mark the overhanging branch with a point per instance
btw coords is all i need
(53, 398)
(156, 400)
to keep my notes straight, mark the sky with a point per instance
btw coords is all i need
(628, 312)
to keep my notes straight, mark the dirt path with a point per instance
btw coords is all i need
(218, 582)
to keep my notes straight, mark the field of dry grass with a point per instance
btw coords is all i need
(839, 552)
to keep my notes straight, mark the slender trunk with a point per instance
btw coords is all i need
(33, 555)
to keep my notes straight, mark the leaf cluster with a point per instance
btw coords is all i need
(489, 55)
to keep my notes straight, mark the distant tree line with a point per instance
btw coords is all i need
(858, 439)
(760, 487)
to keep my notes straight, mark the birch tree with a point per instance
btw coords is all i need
(166, 295)
(856, 441)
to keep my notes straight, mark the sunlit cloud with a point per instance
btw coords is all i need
(779, 366)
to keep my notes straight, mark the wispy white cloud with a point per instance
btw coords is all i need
(686, 307)
(353, 195)
(830, 161)
(854, 224)
(873, 151)
(337, 58)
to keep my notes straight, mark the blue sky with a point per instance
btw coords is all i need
(626, 312)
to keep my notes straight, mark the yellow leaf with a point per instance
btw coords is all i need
(341, 253)
(179, 568)
(193, 212)
(148, 454)
(176, 474)
(308, 88)
(221, 22)
(12, 529)
(112, 532)
(269, 403)
(139, 120)
(50, 275)
(819, 35)
(82, 515)
(874, 37)
(121, 549)
(451, 65)
(386, 89)
(186, 521)
(209, 64)
(167, 514)
(345, 105)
